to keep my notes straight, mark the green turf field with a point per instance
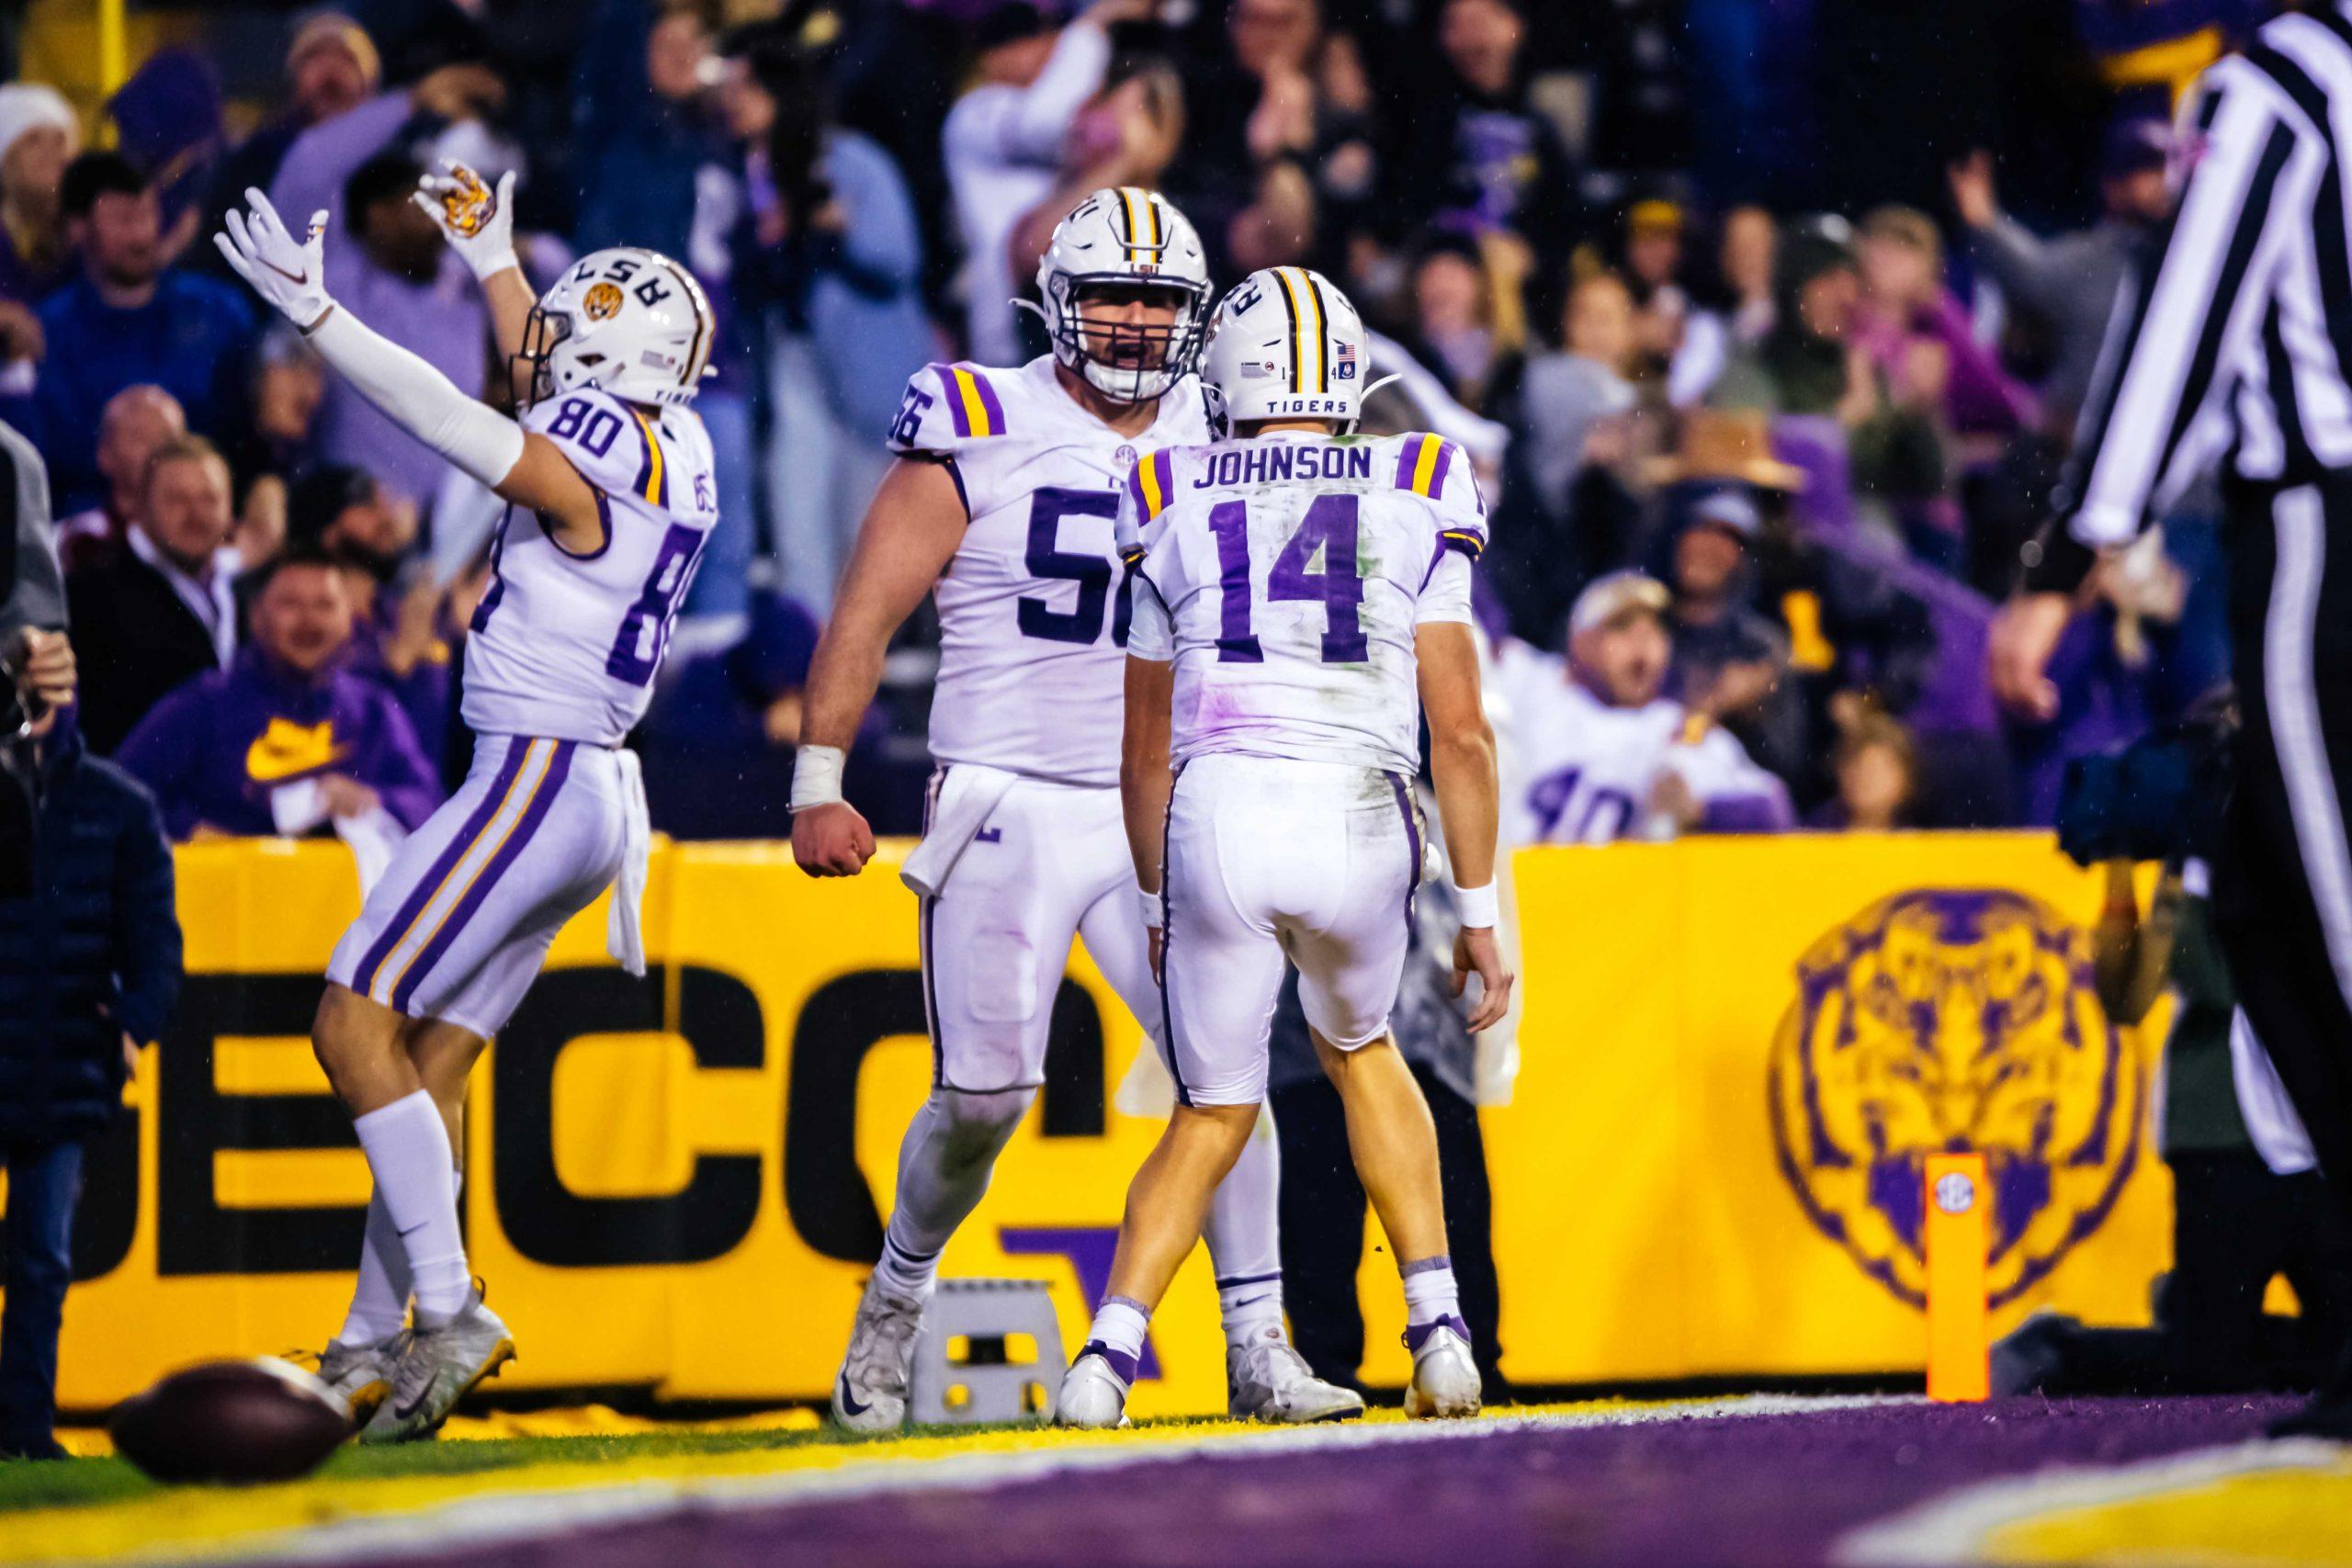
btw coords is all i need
(69, 1481)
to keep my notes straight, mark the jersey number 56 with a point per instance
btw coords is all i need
(1089, 568)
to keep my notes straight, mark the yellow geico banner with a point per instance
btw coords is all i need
(1738, 1057)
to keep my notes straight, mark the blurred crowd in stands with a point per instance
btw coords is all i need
(1786, 308)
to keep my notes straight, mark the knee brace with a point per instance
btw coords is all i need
(977, 1126)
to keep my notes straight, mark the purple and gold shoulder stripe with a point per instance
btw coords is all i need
(652, 474)
(1153, 483)
(971, 403)
(1422, 464)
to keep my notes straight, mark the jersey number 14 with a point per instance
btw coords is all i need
(1330, 527)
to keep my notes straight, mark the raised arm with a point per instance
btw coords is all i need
(1026, 126)
(479, 223)
(1462, 765)
(523, 467)
(910, 533)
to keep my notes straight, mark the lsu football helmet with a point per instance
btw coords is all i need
(625, 319)
(1286, 344)
(1126, 237)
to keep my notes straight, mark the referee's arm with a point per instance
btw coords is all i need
(2172, 348)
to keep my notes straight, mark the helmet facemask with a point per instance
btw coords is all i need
(543, 331)
(1137, 362)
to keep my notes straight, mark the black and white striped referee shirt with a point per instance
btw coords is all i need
(2238, 344)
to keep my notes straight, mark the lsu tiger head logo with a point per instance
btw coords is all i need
(1947, 1022)
(601, 302)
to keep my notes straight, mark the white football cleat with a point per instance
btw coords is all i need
(1092, 1393)
(1445, 1381)
(870, 1391)
(437, 1368)
(362, 1373)
(1268, 1379)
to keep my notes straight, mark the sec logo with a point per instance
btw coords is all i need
(1951, 1020)
(1955, 1193)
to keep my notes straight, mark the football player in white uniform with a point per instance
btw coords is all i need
(608, 477)
(1001, 504)
(1294, 587)
(1597, 754)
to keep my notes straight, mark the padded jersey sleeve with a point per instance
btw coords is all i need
(1439, 471)
(947, 406)
(613, 445)
(1151, 633)
(1446, 595)
(1143, 501)
(1140, 524)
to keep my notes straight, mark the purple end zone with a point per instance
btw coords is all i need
(1729, 1490)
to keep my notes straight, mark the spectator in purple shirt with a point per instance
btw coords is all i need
(389, 266)
(286, 738)
(332, 67)
(401, 637)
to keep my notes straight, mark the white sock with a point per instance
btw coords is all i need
(1119, 1328)
(380, 1298)
(1429, 1292)
(1250, 1308)
(1244, 1235)
(903, 1273)
(408, 1149)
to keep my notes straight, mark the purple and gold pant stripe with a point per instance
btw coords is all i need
(452, 890)
(972, 402)
(1412, 840)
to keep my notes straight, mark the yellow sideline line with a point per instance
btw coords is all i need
(2251, 1505)
(199, 1520)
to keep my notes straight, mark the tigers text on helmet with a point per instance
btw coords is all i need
(627, 320)
(1125, 237)
(1286, 344)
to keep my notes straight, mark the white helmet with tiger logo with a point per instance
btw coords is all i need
(627, 320)
(1286, 344)
(1125, 237)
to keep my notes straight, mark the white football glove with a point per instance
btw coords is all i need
(289, 272)
(478, 224)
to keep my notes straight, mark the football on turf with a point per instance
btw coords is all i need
(238, 1421)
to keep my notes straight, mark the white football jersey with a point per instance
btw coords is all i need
(565, 645)
(1034, 605)
(1583, 771)
(1285, 576)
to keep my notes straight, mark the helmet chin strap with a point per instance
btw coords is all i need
(1365, 397)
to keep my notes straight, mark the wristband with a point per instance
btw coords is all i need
(1154, 911)
(1478, 906)
(816, 777)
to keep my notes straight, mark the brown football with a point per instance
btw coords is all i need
(237, 1421)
